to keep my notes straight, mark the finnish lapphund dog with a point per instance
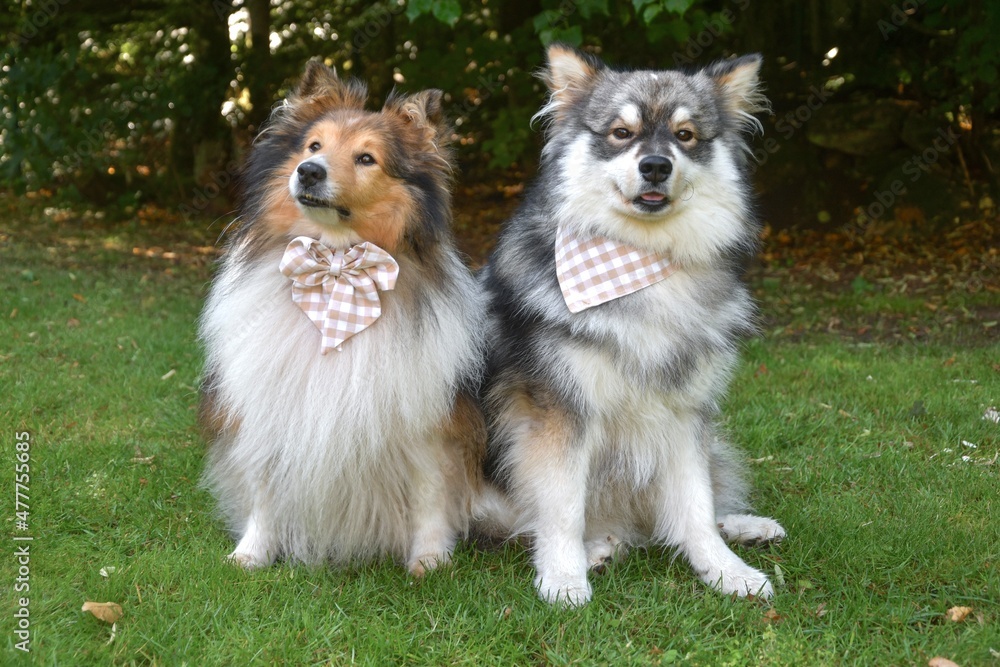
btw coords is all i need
(620, 309)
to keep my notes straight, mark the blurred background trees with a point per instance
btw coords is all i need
(156, 100)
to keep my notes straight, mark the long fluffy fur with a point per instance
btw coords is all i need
(603, 423)
(369, 452)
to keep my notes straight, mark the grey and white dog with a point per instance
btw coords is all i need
(603, 423)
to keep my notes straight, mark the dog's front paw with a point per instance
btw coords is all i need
(748, 530)
(421, 565)
(248, 561)
(565, 591)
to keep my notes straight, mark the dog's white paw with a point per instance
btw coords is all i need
(741, 579)
(565, 591)
(421, 565)
(749, 530)
(249, 561)
(601, 550)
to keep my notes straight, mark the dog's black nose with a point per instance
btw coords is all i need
(310, 174)
(655, 168)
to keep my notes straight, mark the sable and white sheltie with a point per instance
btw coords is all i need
(375, 450)
(603, 421)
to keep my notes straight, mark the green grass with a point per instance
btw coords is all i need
(887, 528)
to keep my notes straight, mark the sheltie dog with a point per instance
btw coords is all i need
(616, 288)
(330, 447)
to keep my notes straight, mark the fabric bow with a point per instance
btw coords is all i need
(338, 289)
(595, 270)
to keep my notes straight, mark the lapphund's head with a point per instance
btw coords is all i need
(638, 151)
(325, 167)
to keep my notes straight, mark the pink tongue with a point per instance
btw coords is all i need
(651, 196)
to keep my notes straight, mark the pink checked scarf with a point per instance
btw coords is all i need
(338, 289)
(594, 270)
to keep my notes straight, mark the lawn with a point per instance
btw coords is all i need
(861, 409)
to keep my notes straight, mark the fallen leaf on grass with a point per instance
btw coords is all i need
(772, 616)
(958, 614)
(938, 661)
(143, 460)
(81, 298)
(169, 374)
(108, 571)
(109, 612)
(821, 610)
(72, 323)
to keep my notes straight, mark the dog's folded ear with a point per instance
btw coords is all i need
(424, 113)
(321, 81)
(738, 80)
(569, 74)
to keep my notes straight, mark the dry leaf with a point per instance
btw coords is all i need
(169, 374)
(772, 615)
(72, 323)
(108, 571)
(109, 612)
(80, 298)
(958, 614)
(821, 610)
(938, 661)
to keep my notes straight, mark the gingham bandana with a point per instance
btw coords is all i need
(338, 289)
(595, 270)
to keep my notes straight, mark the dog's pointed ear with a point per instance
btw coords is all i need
(568, 71)
(320, 81)
(423, 112)
(569, 75)
(738, 80)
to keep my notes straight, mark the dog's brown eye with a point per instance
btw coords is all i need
(621, 133)
(684, 135)
(314, 146)
(366, 159)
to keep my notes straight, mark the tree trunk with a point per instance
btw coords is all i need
(257, 77)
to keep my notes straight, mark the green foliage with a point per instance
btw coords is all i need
(94, 87)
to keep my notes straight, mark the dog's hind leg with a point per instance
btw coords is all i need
(730, 492)
(603, 548)
(749, 530)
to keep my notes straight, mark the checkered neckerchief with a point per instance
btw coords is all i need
(594, 270)
(338, 289)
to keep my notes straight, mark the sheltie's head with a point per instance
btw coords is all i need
(327, 168)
